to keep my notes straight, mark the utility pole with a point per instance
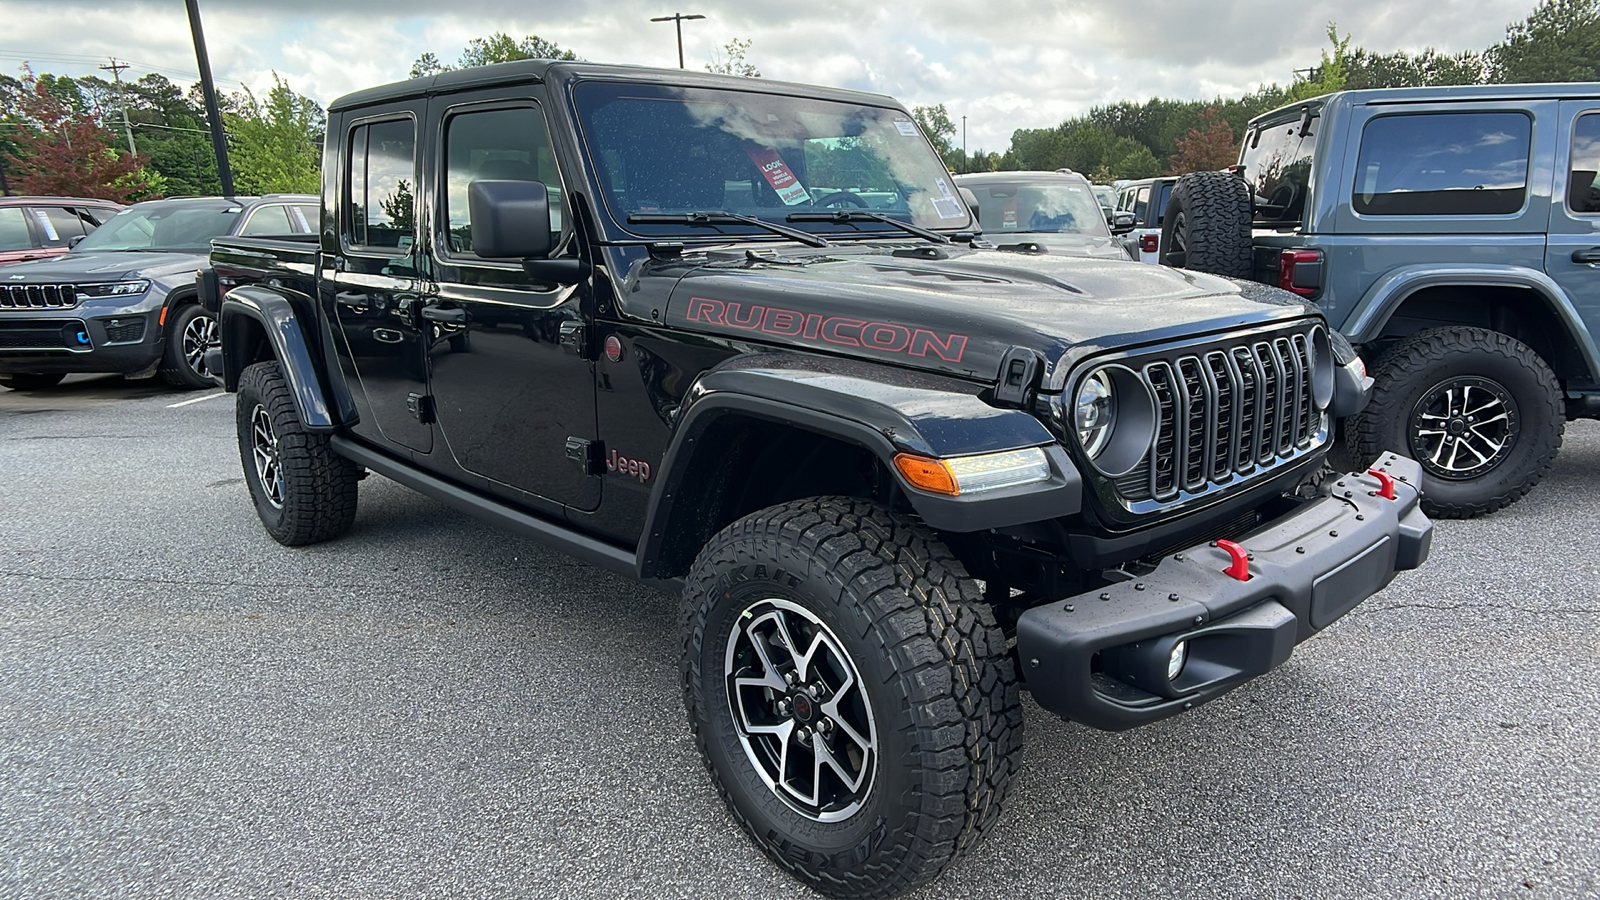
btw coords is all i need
(122, 99)
(965, 165)
(678, 19)
(219, 140)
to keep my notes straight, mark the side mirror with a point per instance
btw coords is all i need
(510, 219)
(74, 241)
(971, 200)
(1122, 222)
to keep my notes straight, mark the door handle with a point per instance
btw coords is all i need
(453, 316)
(1590, 256)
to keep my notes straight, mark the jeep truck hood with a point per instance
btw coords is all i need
(957, 311)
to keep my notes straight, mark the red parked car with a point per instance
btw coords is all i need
(42, 227)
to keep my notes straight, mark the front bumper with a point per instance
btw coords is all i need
(1100, 658)
(81, 340)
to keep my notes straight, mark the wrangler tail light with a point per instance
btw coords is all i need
(1149, 243)
(1300, 271)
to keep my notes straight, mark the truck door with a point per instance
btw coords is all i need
(1572, 253)
(514, 393)
(371, 288)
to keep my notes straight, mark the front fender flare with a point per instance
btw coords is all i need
(1387, 293)
(248, 307)
(904, 412)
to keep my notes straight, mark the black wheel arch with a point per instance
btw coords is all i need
(258, 325)
(755, 438)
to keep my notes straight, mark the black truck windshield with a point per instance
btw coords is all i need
(163, 226)
(1277, 166)
(661, 149)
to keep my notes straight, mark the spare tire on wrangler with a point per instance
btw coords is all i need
(1207, 225)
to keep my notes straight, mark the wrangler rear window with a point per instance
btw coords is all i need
(1443, 164)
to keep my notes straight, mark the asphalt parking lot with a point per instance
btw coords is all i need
(432, 708)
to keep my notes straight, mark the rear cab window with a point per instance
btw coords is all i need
(1277, 163)
(380, 197)
(1443, 164)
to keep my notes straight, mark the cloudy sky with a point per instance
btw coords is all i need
(1004, 64)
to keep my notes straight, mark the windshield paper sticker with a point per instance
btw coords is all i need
(45, 223)
(788, 187)
(906, 126)
(947, 206)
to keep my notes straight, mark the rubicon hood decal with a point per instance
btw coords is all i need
(845, 331)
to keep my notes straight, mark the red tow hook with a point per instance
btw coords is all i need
(1240, 567)
(1385, 483)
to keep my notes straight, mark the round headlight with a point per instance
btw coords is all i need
(1094, 412)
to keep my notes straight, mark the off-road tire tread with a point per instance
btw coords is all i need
(1404, 363)
(1218, 208)
(320, 486)
(174, 370)
(931, 614)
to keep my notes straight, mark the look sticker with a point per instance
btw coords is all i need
(777, 174)
(906, 126)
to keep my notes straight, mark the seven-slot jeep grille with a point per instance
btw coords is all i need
(38, 296)
(1224, 413)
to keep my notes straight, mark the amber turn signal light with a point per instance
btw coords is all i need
(927, 474)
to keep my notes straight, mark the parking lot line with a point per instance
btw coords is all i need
(197, 400)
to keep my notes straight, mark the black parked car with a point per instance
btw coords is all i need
(123, 300)
(1054, 212)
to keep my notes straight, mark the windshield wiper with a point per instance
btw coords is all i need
(701, 219)
(846, 216)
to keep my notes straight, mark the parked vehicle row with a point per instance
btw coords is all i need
(124, 300)
(744, 341)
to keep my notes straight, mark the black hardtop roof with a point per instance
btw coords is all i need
(1438, 94)
(19, 200)
(532, 71)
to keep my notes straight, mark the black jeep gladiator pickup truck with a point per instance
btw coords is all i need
(741, 340)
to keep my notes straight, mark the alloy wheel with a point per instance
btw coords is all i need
(198, 337)
(1463, 427)
(800, 710)
(264, 451)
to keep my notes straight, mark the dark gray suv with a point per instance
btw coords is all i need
(1453, 235)
(123, 300)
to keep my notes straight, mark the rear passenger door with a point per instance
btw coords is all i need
(1572, 251)
(511, 382)
(371, 289)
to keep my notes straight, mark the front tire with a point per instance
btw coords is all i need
(304, 492)
(1480, 410)
(850, 693)
(191, 332)
(31, 381)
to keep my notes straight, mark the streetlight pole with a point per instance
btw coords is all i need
(219, 140)
(966, 165)
(678, 19)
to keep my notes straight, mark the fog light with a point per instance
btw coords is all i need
(1180, 655)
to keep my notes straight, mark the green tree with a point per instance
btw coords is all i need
(1365, 69)
(730, 60)
(935, 123)
(58, 148)
(1327, 77)
(1559, 41)
(275, 146)
(496, 48)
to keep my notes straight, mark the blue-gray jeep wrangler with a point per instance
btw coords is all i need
(1453, 234)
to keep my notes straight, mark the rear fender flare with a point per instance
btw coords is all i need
(248, 308)
(885, 416)
(1387, 294)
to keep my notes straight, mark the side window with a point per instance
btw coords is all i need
(1583, 193)
(496, 145)
(14, 233)
(304, 218)
(268, 220)
(1443, 164)
(59, 226)
(382, 180)
(1141, 203)
(94, 216)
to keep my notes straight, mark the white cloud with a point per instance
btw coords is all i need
(1005, 64)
